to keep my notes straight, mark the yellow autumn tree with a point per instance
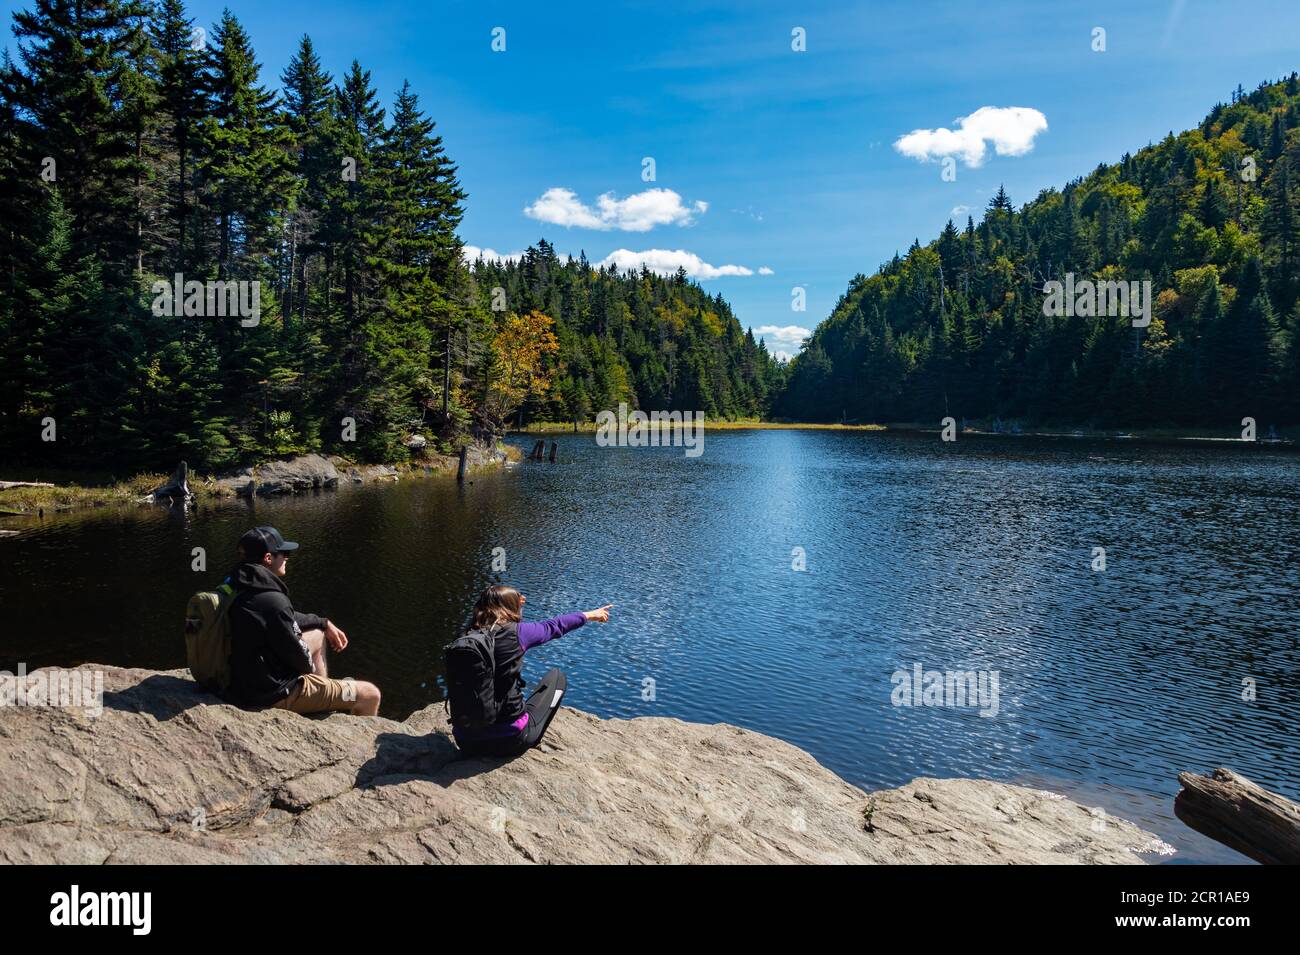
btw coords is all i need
(521, 348)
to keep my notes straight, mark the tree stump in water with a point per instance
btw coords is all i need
(1231, 809)
(539, 451)
(178, 488)
(555, 451)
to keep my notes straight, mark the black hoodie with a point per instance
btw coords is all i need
(267, 654)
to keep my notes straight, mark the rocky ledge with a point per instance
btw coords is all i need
(167, 773)
(309, 472)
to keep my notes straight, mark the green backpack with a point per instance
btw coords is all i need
(207, 637)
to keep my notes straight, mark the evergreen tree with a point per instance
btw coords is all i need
(182, 106)
(76, 133)
(246, 159)
(308, 101)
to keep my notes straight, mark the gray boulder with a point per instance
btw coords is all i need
(303, 473)
(366, 473)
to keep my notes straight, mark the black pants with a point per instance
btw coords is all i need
(541, 707)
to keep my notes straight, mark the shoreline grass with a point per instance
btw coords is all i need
(103, 490)
(25, 501)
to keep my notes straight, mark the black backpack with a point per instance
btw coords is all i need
(471, 679)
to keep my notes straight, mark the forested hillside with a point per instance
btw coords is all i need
(640, 338)
(1211, 217)
(142, 155)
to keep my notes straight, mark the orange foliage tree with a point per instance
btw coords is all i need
(521, 368)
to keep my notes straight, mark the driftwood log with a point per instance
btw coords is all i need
(5, 485)
(1233, 810)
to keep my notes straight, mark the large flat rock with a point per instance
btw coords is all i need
(167, 773)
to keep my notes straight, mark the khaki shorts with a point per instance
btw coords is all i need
(318, 694)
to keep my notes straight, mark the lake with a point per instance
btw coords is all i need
(977, 555)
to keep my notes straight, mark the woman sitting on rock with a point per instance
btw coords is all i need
(489, 715)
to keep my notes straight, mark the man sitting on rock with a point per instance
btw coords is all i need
(277, 655)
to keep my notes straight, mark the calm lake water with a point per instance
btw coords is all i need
(975, 555)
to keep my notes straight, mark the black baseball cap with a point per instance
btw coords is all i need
(264, 540)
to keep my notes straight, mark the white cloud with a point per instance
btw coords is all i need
(791, 335)
(666, 262)
(782, 355)
(639, 212)
(765, 271)
(959, 211)
(662, 261)
(1011, 130)
(470, 253)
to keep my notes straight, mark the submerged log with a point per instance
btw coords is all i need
(1233, 810)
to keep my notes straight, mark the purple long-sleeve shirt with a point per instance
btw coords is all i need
(534, 635)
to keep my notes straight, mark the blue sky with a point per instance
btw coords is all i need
(792, 154)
